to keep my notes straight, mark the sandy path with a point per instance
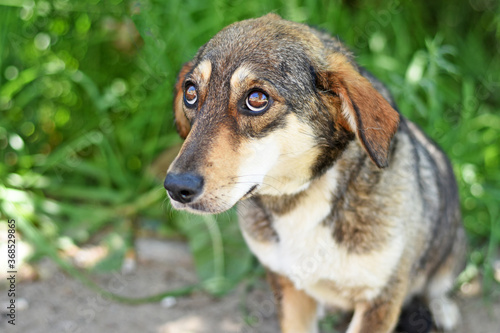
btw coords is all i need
(58, 303)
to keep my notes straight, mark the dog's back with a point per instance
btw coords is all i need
(437, 191)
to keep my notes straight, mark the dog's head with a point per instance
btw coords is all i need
(266, 106)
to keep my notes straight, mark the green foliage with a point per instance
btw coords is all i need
(86, 94)
(220, 256)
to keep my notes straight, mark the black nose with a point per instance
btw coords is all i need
(183, 187)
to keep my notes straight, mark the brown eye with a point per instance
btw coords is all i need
(190, 94)
(257, 101)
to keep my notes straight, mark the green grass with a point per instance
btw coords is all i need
(85, 107)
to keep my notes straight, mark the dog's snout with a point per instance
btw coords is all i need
(183, 187)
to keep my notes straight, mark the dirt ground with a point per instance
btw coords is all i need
(58, 303)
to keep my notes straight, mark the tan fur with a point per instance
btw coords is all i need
(298, 311)
(345, 202)
(381, 314)
(205, 69)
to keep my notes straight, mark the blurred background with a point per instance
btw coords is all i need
(86, 126)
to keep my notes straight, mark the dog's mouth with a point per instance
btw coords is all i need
(250, 192)
(208, 206)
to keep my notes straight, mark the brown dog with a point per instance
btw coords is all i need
(344, 201)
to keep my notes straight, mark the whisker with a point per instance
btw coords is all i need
(266, 184)
(253, 175)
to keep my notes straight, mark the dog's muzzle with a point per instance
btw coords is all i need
(183, 187)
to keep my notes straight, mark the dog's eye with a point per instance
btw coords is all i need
(257, 101)
(190, 94)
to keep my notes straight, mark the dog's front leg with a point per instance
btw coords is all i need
(297, 311)
(380, 315)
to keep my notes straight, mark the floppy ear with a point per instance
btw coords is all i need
(181, 122)
(364, 109)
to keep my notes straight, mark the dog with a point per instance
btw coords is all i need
(344, 201)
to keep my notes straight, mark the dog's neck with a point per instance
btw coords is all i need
(350, 176)
(341, 170)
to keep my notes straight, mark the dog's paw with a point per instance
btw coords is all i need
(445, 313)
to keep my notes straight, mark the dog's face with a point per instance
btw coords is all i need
(265, 109)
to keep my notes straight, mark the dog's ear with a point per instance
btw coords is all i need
(364, 109)
(181, 122)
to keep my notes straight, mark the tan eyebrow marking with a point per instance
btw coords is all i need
(240, 74)
(205, 70)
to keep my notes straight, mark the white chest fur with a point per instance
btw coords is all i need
(309, 256)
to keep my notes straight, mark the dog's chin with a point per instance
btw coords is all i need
(206, 206)
(202, 207)
(199, 208)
